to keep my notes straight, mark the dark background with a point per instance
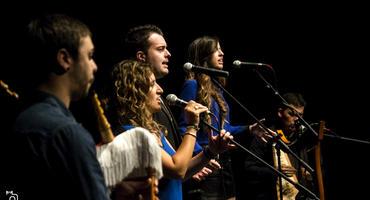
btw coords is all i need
(318, 50)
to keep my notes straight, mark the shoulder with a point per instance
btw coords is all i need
(43, 116)
(191, 83)
(49, 121)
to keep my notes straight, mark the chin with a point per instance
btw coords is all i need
(165, 72)
(220, 67)
(158, 109)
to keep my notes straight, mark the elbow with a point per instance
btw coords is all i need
(179, 174)
(176, 174)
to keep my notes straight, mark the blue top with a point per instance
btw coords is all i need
(169, 189)
(189, 92)
(56, 155)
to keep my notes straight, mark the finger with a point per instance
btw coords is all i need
(216, 165)
(227, 136)
(196, 177)
(207, 171)
(222, 133)
(201, 109)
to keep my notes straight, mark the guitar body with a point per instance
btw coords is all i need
(289, 191)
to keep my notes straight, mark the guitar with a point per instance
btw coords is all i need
(289, 192)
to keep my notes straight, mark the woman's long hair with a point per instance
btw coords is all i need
(131, 84)
(199, 53)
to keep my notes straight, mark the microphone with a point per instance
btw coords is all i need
(238, 64)
(205, 70)
(302, 128)
(172, 100)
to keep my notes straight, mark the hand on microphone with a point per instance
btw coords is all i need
(174, 101)
(192, 112)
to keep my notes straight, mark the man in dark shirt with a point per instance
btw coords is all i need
(55, 156)
(50, 155)
(258, 181)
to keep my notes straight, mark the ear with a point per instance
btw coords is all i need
(140, 55)
(280, 112)
(64, 61)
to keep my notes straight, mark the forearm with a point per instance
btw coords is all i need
(177, 165)
(196, 164)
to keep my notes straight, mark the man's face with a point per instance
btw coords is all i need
(289, 118)
(158, 55)
(83, 69)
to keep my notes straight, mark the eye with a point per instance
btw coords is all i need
(91, 55)
(161, 48)
(291, 113)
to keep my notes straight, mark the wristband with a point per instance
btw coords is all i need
(192, 134)
(193, 126)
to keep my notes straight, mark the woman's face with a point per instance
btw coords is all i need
(217, 59)
(153, 97)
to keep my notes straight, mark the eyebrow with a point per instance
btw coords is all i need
(294, 112)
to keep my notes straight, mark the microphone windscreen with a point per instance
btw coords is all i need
(171, 99)
(237, 63)
(188, 66)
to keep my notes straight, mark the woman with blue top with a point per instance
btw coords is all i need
(134, 100)
(206, 52)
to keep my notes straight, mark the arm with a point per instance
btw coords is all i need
(176, 165)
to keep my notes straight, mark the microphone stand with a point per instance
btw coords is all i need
(334, 135)
(297, 185)
(280, 174)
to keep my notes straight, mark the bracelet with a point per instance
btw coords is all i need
(193, 126)
(192, 134)
(208, 154)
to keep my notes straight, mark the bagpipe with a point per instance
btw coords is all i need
(131, 155)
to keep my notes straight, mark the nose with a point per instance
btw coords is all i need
(94, 66)
(221, 52)
(295, 119)
(159, 90)
(168, 53)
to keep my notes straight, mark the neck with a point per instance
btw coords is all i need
(57, 88)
